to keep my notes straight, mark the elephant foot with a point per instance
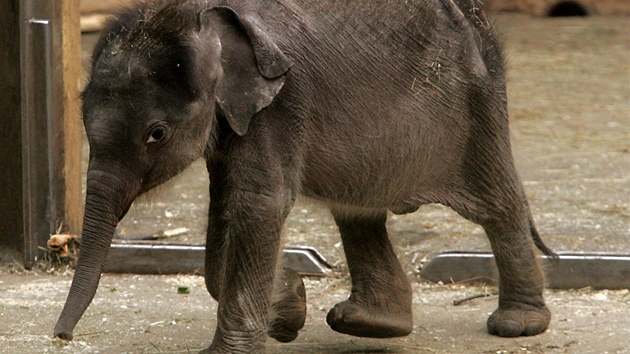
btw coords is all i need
(288, 308)
(359, 320)
(521, 320)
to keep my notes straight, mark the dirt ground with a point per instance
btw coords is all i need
(145, 314)
(569, 96)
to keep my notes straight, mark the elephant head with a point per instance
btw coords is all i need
(159, 84)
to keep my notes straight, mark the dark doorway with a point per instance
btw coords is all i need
(567, 9)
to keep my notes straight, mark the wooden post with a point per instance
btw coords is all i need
(40, 157)
(70, 178)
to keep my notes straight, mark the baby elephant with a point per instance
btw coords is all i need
(365, 106)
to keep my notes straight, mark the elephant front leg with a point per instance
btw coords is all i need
(214, 265)
(288, 307)
(288, 303)
(249, 227)
(380, 303)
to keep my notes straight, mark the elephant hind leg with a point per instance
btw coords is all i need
(380, 303)
(522, 310)
(500, 207)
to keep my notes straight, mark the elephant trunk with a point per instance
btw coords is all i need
(108, 199)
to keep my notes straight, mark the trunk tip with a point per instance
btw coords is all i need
(63, 334)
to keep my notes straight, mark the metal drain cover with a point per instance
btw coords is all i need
(143, 257)
(568, 271)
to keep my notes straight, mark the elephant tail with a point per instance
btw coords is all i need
(539, 242)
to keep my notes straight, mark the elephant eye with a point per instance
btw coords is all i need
(157, 133)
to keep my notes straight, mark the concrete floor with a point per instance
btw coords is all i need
(145, 314)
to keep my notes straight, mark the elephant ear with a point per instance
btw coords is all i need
(252, 64)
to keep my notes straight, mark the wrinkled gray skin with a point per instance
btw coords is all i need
(365, 106)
